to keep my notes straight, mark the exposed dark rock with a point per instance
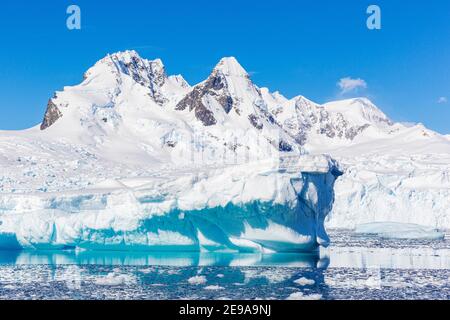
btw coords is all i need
(261, 106)
(205, 115)
(311, 116)
(218, 88)
(354, 131)
(214, 87)
(189, 101)
(285, 147)
(193, 101)
(340, 128)
(215, 82)
(150, 74)
(51, 115)
(255, 121)
(226, 102)
(328, 130)
(301, 137)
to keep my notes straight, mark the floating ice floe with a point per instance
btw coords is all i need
(305, 282)
(114, 279)
(392, 230)
(301, 296)
(214, 288)
(197, 280)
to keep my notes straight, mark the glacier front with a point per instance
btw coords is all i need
(256, 207)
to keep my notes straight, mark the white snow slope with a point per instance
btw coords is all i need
(134, 159)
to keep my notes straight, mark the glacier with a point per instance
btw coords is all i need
(392, 172)
(403, 180)
(247, 208)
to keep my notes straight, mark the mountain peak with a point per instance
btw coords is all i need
(303, 100)
(125, 55)
(229, 66)
(360, 109)
(131, 57)
(128, 62)
(148, 73)
(179, 79)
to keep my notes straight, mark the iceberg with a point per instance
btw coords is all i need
(253, 207)
(392, 230)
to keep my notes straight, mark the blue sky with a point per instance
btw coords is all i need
(296, 47)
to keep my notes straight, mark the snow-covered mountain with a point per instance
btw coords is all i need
(129, 97)
(125, 97)
(393, 172)
(135, 157)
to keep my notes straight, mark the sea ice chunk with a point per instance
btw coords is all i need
(305, 282)
(392, 230)
(301, 296)
(214, 288)
(113, 279)
(197, 280)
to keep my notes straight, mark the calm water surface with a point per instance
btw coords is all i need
(352, 268)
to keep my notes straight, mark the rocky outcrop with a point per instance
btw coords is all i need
(338, 126)
(51, 115)
(226, 86)
(304, 118)
(255, 121)
(193, 102)
(148, 73)
(215, 87)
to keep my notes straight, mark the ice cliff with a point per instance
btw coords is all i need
(263, 207)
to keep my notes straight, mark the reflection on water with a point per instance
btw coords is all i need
(176, 259)
(352, 268)
(334, 257)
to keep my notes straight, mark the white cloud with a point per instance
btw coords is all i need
(348, 84)
(442, 100)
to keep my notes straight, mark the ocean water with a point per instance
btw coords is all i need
(353, 267)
